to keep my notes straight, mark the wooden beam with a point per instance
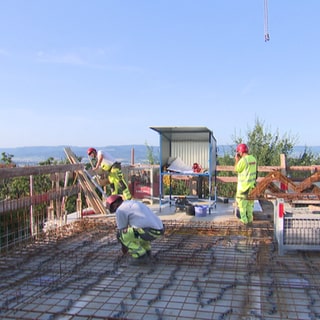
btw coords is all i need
(87, 186)
(21, 203)
(6, 173)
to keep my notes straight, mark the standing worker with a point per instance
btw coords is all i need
(246, 168)
(112, 168)
(137, 226)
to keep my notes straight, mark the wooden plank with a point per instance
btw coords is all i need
(6, 173)
(21, 203)
(87, 186)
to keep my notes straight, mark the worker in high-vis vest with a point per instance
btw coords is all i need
(112, 168)
(246, 168)
(137, 226)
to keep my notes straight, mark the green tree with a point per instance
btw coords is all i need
(6, 158)
(5, 185)
(152, 159)
(265, 145)
(226, 189)
(306, 158)
(19, 187)
(48, 162)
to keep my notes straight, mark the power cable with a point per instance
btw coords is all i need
(266, 32)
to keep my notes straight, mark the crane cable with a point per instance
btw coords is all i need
(266, 32)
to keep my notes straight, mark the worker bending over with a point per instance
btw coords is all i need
(112, 168)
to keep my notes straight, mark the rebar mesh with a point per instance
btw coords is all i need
(198, 270)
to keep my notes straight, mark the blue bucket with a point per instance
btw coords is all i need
(200, 211)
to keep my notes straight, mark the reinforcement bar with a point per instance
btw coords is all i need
(197, 271)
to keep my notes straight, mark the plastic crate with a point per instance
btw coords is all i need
(200, 211)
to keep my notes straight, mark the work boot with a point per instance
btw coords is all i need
(237, 213)
(124, 249)
(143, 260)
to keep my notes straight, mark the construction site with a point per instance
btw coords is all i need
(204, 267)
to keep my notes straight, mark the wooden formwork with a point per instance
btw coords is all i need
(87, 186)
(306, 189)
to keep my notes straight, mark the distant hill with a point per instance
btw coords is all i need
(34, 155)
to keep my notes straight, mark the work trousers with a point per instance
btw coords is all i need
(118, 184)
(246, 210)
(138, 240)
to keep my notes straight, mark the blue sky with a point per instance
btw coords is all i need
(101, 72)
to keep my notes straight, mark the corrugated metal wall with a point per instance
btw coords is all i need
(191, 151)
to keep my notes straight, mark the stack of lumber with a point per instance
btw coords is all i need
(87, 185)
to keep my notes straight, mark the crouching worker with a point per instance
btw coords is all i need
(137, 226)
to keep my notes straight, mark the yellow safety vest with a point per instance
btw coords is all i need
(247, 174)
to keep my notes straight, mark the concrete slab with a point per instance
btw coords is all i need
(219, 212)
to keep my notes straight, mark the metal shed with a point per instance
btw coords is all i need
(191, 145)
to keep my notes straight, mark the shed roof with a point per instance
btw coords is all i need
(184, 133)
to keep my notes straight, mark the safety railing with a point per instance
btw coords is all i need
(43, 193)
(25, 217)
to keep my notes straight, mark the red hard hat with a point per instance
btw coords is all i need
(243, 148)
(196, 167)
(111, 200)
(90, 150)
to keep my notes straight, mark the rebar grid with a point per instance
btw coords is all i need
(198, 270)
